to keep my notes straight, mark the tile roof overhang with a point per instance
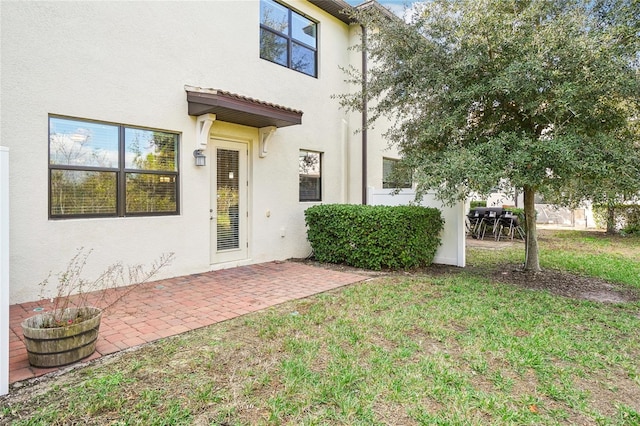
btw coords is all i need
(238, 109)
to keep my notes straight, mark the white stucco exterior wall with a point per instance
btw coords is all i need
(128, 63)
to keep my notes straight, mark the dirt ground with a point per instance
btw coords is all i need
(564, 284)
(556, 282)
(561, 283)
(567, 285)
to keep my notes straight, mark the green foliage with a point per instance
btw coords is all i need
(520, 213)
(625, 216)
(533, 93)
(478, 203)
(374, 237)
(488, 94)
(632, 218)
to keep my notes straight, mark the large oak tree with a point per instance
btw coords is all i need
(487, 94)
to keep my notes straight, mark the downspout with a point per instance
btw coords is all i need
(364, 115)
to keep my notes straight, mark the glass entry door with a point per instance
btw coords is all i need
(229, 209)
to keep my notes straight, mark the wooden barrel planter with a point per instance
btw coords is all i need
(49, 346)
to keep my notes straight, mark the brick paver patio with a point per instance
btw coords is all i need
(169, 307)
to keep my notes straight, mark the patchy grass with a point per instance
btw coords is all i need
(589, 253)
(452, 348)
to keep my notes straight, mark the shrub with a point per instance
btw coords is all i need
(631, 219)
(374, 237)
(477, 203)
(520, 213)
(626, 217)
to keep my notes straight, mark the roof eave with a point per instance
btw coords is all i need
(336, 8)
(239, 109)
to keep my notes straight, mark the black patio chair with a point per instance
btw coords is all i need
(511, 223)
(490, 222)
(474, 218)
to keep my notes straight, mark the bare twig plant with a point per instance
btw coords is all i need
(72, 290)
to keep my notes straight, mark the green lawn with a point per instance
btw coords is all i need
(454, 349)
(613, 258)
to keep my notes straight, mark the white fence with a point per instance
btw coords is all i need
(4, 270)
(452, 250)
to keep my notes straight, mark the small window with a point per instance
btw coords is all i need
(103, 169)
(288, 38)
(310, 169)
(393, 176)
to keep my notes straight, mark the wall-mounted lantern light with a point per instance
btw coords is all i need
(201, 159)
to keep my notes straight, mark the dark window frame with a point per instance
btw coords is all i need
(391, 184)
(305, 177)
(121, 172)
(291, 40)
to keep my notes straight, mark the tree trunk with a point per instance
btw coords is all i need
(532, 261)
(611, 219)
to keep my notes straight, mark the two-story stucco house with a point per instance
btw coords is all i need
(199, 128)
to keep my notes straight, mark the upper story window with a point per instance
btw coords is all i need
(393, 176)
(310, 171)
(103, 169)
(288, 38)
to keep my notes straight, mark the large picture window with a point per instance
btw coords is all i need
(310, 170)
(103, 169)
(288, 38)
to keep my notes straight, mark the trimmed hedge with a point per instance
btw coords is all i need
(374, 237)
(477, 203)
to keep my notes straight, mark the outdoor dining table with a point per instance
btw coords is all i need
(482, 219)
(493, 220)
